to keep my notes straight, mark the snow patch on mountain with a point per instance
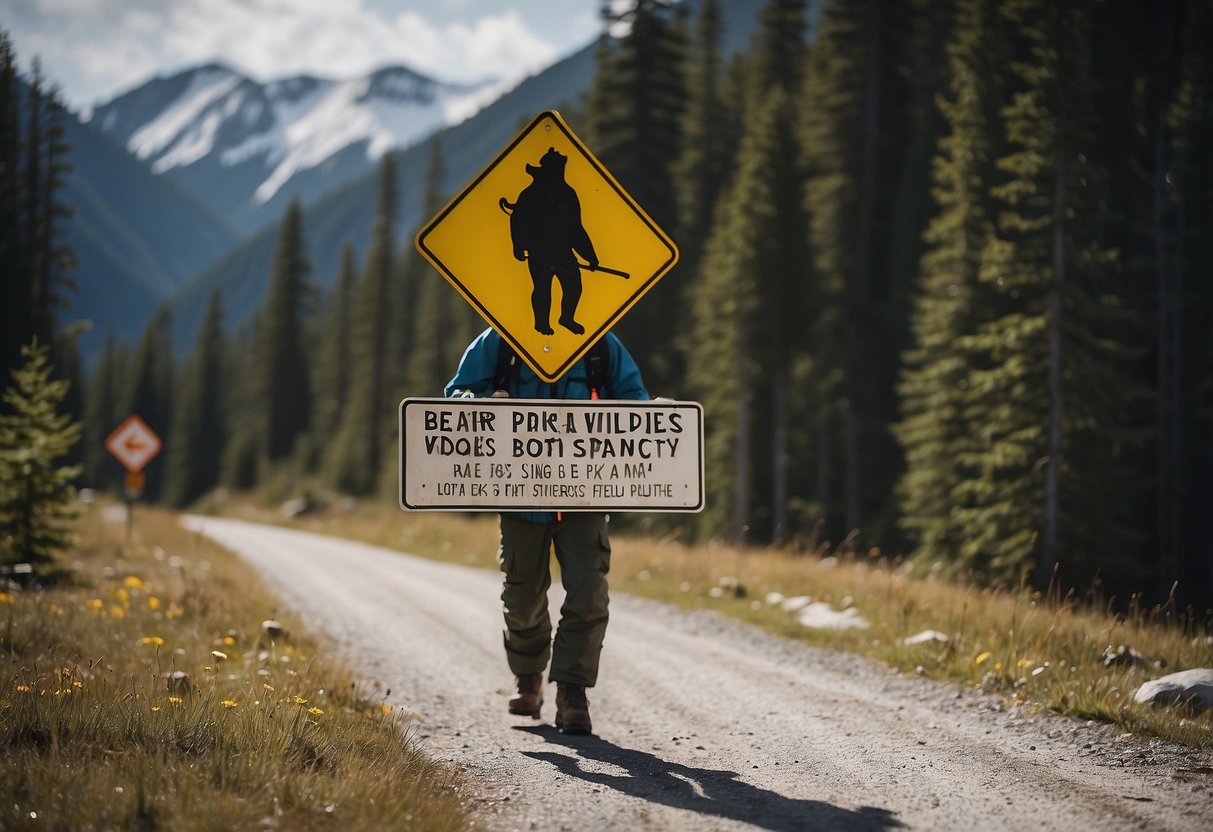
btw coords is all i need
(214, 116)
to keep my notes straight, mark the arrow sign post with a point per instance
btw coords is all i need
(134, 444)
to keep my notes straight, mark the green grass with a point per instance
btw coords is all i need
(263, 732)
(1032, 651)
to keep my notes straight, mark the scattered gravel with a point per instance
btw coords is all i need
(704, 723)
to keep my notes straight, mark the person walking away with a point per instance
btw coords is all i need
(489, 367)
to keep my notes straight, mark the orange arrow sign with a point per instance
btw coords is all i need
(133, 443)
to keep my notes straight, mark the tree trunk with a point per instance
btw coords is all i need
(850, 464)
(1048, 549)
(779, 466)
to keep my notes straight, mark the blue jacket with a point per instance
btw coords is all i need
(478, 367)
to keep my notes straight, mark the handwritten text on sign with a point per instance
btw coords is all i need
(549, 455)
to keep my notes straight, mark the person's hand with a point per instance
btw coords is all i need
(593, 263)
(500, 394)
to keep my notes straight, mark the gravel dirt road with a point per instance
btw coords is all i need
(706, 724)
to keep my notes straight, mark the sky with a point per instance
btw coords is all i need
(95, 49)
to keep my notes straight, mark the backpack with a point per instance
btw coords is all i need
(597, 367)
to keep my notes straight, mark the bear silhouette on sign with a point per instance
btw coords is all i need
(546, 231)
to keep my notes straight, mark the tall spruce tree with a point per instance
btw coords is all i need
(102, 413)
(1050, 386)
(633, 120)
(737, 327)
(934, 386)
(287, 377)
(334, 361)
(37, 499)
(355, 458)
(853, 120)
(35, 258)
(149, 389)
(198, 433)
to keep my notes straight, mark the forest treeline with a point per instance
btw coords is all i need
(944, 291)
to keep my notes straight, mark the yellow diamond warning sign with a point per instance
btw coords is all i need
(547, 246)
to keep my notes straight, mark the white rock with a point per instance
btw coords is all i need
(821, 616)
(774, 599)
(1194, 685)
(795, 603)
(925, 636)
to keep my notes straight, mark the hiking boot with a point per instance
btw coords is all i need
(529, 698)
(572, 709)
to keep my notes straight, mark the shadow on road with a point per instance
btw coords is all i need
(707, 791)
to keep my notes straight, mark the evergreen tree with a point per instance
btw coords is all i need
(35, 259)
(443, 323)
(14, 287)
(149, 388)
(702, 170)
(633, 120)
(738, 326)
(287, 384)
(245, 409)
(934, 386)
(854, 123)
(334, 354)
(198, 434)
(357, 454)
(37, 499)
(1050, 388)
(103, 403)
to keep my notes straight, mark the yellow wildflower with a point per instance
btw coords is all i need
(155, 708)
(22, 688)
(228, 641)
(117, 611)
(1023, 662)
(174, 700)
(387, 709)
(153, 603)
(155, 640)
(132, 582)
(270, 688)
(998, 665)
(229, 703)
(5, 598)
(95, 604)
(77, 684)
(315, 712)
(299, 700)
(981, 658)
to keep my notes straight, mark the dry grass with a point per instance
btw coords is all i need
(95, 732)
(1035, 652)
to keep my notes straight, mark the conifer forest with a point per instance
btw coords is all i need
(945, 291)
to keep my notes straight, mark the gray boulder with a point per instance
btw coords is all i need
(1194, 686)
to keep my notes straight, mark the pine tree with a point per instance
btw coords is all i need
(633, 126)
(287, 383)
(149, 388)
(35, 259)
(198, 433)
(854, 134)
(934, 386)
(738, 326)
(103, 403)
(355, 457)
(334, 353)
(37, 499)
(1050, 388)
(245, 410)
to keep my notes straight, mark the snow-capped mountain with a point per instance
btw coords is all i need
(247, 147)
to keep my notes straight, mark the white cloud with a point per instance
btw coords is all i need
(97, 48)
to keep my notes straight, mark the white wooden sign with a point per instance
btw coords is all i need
(551, 455)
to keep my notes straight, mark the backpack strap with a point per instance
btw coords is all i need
(598, 368)
(507, 366)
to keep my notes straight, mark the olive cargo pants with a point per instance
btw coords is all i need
(584, 554)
